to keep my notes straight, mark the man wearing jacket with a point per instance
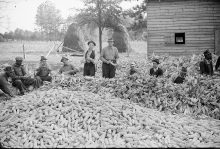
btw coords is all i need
(21, 80)
(206, 66)
(4, 84)
(156, 71)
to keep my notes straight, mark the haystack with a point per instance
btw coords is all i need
(73, 39)
(121, 38)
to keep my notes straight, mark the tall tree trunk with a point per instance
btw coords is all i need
(100, 39)
(100, 25)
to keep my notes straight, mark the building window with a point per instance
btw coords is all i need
(179, 38)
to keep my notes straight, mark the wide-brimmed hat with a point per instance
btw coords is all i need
(206, 52)
(63, 58)
(43, 58)
(18, 58)
(156, 61)
(110, 40)
(92, 42)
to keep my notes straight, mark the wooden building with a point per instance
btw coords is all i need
(183, 27)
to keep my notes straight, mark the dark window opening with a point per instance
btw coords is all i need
(179, 38)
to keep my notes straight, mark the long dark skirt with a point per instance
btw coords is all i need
(89, 69)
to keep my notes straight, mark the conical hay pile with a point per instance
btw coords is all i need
(121, 38)
(72, 39)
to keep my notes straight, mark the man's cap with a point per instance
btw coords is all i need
(18, 58)
(92, 42)
(63, 58)
(43, 58)
(184, 70)
(156, 61)
(7, 67)
(110, 40)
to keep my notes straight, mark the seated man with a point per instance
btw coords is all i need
(133, 70)
(156, 71)
(21, 80)
(67, 68)
(180, 79)
(44, 72)
(217, 64)
(206, 66)
(4, 85)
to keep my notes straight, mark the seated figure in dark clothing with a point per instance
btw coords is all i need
(156, 71)
(20, 79)
(180, 79)
(217, 64)
(206, 66)
(133, 69)
(4, 84)
(44, 71)
(67, 68)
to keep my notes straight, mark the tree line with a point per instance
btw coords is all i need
(20, 34)
(101, 13)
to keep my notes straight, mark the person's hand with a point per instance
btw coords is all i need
(114, 64)
(82, 61)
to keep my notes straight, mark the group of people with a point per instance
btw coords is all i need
(109, 57)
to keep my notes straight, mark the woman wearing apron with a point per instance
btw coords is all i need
(89, 66)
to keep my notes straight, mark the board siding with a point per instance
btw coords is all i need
(197, 18)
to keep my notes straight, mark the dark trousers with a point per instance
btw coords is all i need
(89, 69)
(4, 87)
(22, 84)
(18, 84)
(108, 70)
(46, 78)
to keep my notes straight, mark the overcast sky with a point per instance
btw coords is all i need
(21, 13)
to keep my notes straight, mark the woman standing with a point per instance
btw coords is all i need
(89, 66)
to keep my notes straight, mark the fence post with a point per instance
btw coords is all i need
(23, 51)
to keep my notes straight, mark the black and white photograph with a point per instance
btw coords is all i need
(109, 74)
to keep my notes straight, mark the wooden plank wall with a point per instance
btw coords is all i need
(197, 18)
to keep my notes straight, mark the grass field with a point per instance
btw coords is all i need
(35, 49)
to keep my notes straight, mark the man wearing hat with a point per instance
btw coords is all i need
(206, 66)
(4, 84)
(90, 66)
(44, 71)
(21, 79)
(217, 64)
(180, 79)
(133, 69)
(156, 71)
(67, 68)
(109, 57)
